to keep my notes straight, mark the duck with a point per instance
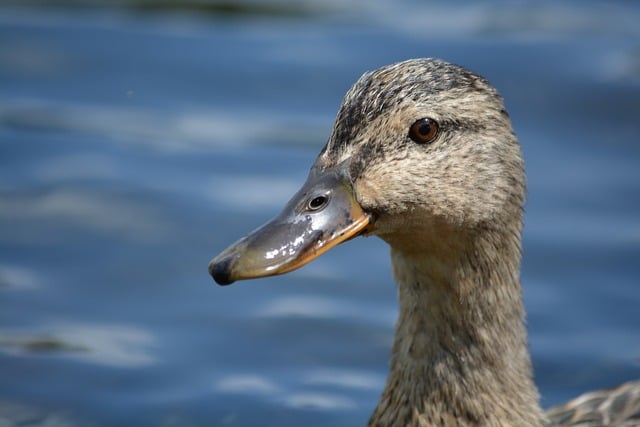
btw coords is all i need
(423, 155)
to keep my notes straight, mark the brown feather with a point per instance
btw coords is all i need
(452, 212)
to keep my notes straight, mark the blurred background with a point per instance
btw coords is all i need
(138, 138)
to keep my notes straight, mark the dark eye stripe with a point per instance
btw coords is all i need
(463, 125)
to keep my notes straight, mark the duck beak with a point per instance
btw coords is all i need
(321, 215)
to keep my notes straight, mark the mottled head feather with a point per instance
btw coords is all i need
(388, 88)
(470, 175)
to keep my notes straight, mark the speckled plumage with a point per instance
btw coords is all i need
(423, 156)
(451, 210)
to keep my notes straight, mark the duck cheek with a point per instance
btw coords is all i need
(377, 193)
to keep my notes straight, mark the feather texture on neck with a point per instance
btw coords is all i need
(460, 346)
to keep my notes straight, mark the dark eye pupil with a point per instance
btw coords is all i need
(317, 202)
(424, 129)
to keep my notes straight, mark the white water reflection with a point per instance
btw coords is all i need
(110, 345)
(245, 191)
(18, 277)
(78, 166)
(532, 20)
(319, 401)
(345, 379)
(301, 306)
(125, 346)
(253, 384)
(246, 384)
(182, 131)
(321, 307)
(17, 414)
(109, 213)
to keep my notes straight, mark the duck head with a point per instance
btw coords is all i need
(422, 154)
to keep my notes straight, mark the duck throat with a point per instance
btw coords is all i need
(460, 351)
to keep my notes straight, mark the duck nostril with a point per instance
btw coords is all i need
(317, 203)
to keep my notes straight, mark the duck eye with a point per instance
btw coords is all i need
(424, 131)
(317, 203)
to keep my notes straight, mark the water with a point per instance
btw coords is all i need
(136, 144)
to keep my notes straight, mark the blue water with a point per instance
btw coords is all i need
(136, 144)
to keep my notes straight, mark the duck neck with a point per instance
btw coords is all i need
(460, 352)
